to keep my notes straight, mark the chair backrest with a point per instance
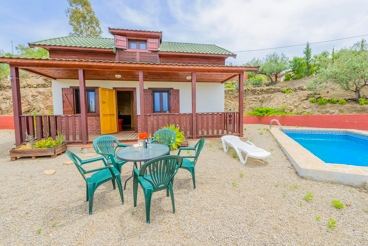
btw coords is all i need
(77, 162)
(105, 145)
(198, 146)
(165, 136)
(160, 171)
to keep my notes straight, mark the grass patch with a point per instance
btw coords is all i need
(308, 197)
(331, 224)
(337, 204)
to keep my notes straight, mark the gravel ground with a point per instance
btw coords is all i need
(257, 203)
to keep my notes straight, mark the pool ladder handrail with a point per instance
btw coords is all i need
(278, 123)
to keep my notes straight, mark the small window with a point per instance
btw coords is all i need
(160, 101)
(91, 101)
(137, 45)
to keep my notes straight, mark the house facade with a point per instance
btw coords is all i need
(133, 81)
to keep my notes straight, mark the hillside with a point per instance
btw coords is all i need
(37, 98)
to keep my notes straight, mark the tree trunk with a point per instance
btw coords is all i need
(357, 94)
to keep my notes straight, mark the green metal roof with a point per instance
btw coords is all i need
(108, 43)
(194, 48)
(70, 41)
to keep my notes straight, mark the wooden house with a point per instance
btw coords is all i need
(131, 82)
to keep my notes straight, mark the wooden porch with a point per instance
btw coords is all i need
(75, 127)
(207, 125)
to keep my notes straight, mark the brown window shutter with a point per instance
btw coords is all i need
(174, 101)
(148, 101)
(120, 42)
(68, 101)
(152, 44)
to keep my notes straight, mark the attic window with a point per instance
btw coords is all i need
(137, 44)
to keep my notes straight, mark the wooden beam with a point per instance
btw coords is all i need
(17, 104)
(38, 73)
(141, 100)
(241, 103)
(115, 65)
(83, 107)
(194, 104)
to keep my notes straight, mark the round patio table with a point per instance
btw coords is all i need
(140, 154)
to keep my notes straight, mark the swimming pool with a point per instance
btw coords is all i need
(309, 166)
(334, 147)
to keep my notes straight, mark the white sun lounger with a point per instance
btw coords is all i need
(247, 147)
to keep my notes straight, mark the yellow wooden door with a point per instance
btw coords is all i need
(108, 112)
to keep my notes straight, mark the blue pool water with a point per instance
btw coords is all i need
(334, 147)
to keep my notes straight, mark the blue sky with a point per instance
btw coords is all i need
(236, 25)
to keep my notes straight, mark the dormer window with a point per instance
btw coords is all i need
(137, 45)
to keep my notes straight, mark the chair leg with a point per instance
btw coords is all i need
(113, 184)
(91, 191)
(172, 197)
(147, 198)
(86, 193)
(135, 190)
(192, 171)
(118, 180)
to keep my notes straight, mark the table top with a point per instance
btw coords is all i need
(132, 153)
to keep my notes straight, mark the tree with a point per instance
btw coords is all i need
(24, 51)
(83, 19)
(359, 46)
(298, 67)
(349, 70)
(273, 64)
(308, 60)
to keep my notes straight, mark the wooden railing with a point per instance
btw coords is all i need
(208, 124)
(153, 122)
(44, 126)
(217, 124)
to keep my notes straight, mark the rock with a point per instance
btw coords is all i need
(49, 172)
(68, 163)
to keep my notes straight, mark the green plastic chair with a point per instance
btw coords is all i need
(189, 162)
(98, 177)
(107, 146)
(155, 175)
(165, 136)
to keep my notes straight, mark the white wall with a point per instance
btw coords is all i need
(210, 96)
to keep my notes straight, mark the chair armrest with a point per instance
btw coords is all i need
(97, 169)
(185, 148)
(86, 161)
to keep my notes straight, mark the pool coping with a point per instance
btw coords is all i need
(310, 166)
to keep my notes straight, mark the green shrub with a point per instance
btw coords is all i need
(337, 204)
(46, 143)
(266, 111)
(363, 101)
(333, 100)
(229, 85)
(256, 81)
(342, 101)
(312, 100)
(322, 101)
(179, 136)
(287, 91)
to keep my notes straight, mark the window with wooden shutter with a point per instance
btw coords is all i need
(152, 44)
(120, 42)
(174, 101)
(68, 101)
(148, 100)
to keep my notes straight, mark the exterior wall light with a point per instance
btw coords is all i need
(188, 77)
(118, 76)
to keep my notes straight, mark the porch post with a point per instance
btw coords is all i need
(83, 107)
(194, 105)
(141, 100)
(241, 103)
(17, 104)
